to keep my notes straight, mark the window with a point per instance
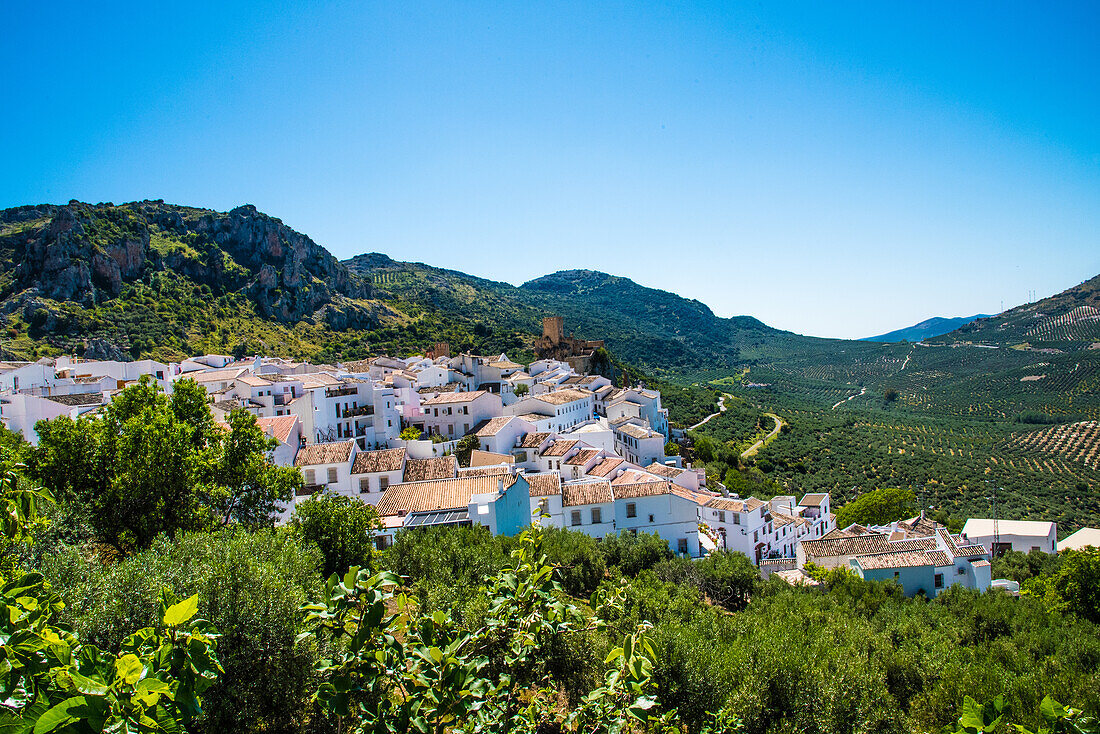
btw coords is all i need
(721, 516)
(575, 517)
(310, 476)
(364, 485)
(465, 428)
(939, 580)
(682, 546)
(755, 536)
(651, 518)
(596, 516)
(1035, 548)
(736, 519)
(631, 509)
(450, 429)
(962, 571)
(383, 482)
(332, 475)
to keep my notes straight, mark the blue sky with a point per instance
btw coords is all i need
(836, 170)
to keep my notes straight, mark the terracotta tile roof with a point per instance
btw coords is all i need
(664, 470)
(582, 457)
(895, 559)
(533, 417)
(455, 397)
(561, 397)
(279, 426)
(945, 536)
(700, 497)
(605, 467)
(372, 462)
(483, 471)
(253, 380)
(980, 564)
(324, 453)
(725, 503)
(440, 494)
(533, 440)
(779, 519)
(215, 375)
(641, 489)
(913, 544)
(813, 500)
(359, 365)
(80, 398)
(854, 546)
(506, 364)
(492, 426)
(938, 558)
(449, 387)
(559, 448)
(634, 476)
(972, 550)
(919, 525)
(439, 467)
(637, 431)
(545, 484)
(849, 532)
(585, 493)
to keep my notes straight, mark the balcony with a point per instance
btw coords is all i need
(339, 392)
(360, 410)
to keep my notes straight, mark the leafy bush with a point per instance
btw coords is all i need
(249, 585)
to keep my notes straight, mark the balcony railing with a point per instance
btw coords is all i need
(359, 410)
(339, 392)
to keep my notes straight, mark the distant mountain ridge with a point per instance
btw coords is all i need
(936, 326)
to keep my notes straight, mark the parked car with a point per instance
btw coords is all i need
(1012, 587)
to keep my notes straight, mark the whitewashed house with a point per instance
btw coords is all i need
(1019, 535)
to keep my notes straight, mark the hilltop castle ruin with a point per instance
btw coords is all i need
(555, 345)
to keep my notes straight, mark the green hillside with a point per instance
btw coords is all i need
(155, 279)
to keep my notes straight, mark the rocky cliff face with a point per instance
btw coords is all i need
(86, 253)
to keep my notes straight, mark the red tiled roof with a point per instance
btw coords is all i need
(324, 453)
(278, 426)
(386, 460)
(439, 467)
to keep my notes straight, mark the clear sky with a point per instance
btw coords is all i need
(836, 170)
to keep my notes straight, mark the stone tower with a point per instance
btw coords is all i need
(553, 328)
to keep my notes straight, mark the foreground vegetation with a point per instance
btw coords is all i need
(452, 629)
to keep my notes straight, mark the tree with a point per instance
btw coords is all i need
(465, 447)
(153, 464)
(1074, 586)
(890, 395)
(238, 481)
(520, 390)
(878, 507)
(341, 527)
(410, 433)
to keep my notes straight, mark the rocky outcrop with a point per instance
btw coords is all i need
(88, 253)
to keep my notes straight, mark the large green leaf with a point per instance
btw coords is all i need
(179, 613)
(59, 716)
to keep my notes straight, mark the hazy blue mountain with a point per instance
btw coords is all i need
(927, 329)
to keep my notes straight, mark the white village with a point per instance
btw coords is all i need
(544, 440)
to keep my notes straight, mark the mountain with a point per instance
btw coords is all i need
(1067, 321)
(155, 279)
(927, 329)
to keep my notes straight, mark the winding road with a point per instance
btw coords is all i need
(751, 450)
(721, 409)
